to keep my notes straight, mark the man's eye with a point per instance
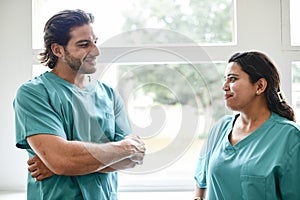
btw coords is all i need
(84, 44)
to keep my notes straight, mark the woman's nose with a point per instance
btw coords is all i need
(225, 86)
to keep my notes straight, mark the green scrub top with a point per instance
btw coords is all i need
(50, 105)
(264, 165)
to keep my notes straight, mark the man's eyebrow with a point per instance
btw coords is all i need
(82, 41)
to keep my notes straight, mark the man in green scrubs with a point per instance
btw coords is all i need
(75, 131)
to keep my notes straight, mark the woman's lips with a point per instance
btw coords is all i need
(227, 96)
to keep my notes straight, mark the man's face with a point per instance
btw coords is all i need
(81, 50)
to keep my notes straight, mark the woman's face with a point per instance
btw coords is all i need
(239, 92)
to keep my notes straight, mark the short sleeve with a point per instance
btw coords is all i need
(290, 176)
(200, 174)
(122, 124)
(34, 114)
(215, 135)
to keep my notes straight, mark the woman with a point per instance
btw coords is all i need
(254, 154)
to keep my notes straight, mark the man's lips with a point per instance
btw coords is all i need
(90, 60)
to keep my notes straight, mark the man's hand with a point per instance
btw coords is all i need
(135, 149)
(38, 169)
(137, 146)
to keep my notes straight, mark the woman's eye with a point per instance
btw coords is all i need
(232, 79)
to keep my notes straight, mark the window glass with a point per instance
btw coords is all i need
(171, 106)
(294, 22)
(296, 89)
(114, 17)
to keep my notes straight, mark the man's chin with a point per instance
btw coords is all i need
(87, 70)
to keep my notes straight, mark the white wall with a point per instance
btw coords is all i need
(261, 22)
(15, 68)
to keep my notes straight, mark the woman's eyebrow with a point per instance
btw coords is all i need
(232, 74)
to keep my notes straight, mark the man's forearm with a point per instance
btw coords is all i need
(93, 158)
(40, 171)
(79, 158)
(121, 165)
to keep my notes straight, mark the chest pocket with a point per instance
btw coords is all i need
(108, 126)
(253, 182)
(100, 127)
(253, 187)
(93, 121)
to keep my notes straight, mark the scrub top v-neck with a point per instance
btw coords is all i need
(256, 166)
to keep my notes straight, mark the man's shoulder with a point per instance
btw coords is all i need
(34, 82)
(35, 85)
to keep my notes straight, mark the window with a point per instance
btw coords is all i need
(115, 17)
(294, 23)
(291, 44)
(296, 88)
(172, 107)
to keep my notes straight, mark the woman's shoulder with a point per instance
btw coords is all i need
(290, 128)
(282, 121)
(227, 119)
(224, 123)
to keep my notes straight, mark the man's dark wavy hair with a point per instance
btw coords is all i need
(57, 30)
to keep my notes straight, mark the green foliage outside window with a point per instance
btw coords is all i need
(201, 21)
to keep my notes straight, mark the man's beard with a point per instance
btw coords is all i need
(74, 63)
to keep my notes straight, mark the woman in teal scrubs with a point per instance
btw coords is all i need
(254, 154)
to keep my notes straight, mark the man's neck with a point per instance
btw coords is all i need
(79, 80)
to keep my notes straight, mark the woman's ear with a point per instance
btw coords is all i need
(57, 49)
(261, 85)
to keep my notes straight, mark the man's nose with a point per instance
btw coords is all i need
(96, 50)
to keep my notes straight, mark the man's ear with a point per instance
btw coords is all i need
(261, 85)
(57, 49)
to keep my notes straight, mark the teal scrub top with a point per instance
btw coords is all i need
(50, 105)
(264, 165)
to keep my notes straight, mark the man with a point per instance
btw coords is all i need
(76, 133)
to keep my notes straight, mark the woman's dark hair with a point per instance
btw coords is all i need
(57, 30)
(257, 65)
